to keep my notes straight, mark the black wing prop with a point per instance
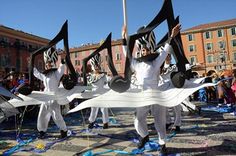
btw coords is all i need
(121, 84)
(166, 13)
(70, 81)
(106, 45)
(177, 78)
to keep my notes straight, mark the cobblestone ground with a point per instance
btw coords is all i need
(210, 133)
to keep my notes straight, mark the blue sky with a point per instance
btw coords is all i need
(90, 21)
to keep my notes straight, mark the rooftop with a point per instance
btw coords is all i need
(213, 25)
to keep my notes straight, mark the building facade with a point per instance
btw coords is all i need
(211, 46)
(78, 54)
(15, 49)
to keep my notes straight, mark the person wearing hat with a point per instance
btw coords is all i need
(51, 79)
(147, 72)
(97, 80)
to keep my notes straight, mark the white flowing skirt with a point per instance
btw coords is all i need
(165, 95)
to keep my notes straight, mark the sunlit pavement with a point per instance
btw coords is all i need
(210, 133)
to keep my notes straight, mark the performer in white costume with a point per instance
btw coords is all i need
(97, 80)
(166, 71)
(177, 118)
(147, 74)
(51, 79)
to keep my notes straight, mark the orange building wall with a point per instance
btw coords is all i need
(201, 53)
(85, 51)
(17, 46)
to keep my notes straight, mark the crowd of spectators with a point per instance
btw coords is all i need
(223, 93)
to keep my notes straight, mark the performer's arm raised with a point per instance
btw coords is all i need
(38, 75)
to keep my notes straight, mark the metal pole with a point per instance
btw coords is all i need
(225, 58)
(125, 17)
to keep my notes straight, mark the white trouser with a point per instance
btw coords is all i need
(159, 113)
(45, 113)
(168, 116)
(94, 113)
(177, 115)
(177, 112)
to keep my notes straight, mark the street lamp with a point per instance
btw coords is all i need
(222, 53)
(223, 57)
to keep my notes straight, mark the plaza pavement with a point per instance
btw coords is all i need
(210, 133)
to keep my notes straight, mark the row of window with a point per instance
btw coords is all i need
(117, 66)
(5, 42)
(208, 34)
(5, 60)
(118, 55)
(209, 46)
(117, 58)
(221, 58)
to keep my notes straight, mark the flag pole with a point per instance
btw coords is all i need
(125, 18)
